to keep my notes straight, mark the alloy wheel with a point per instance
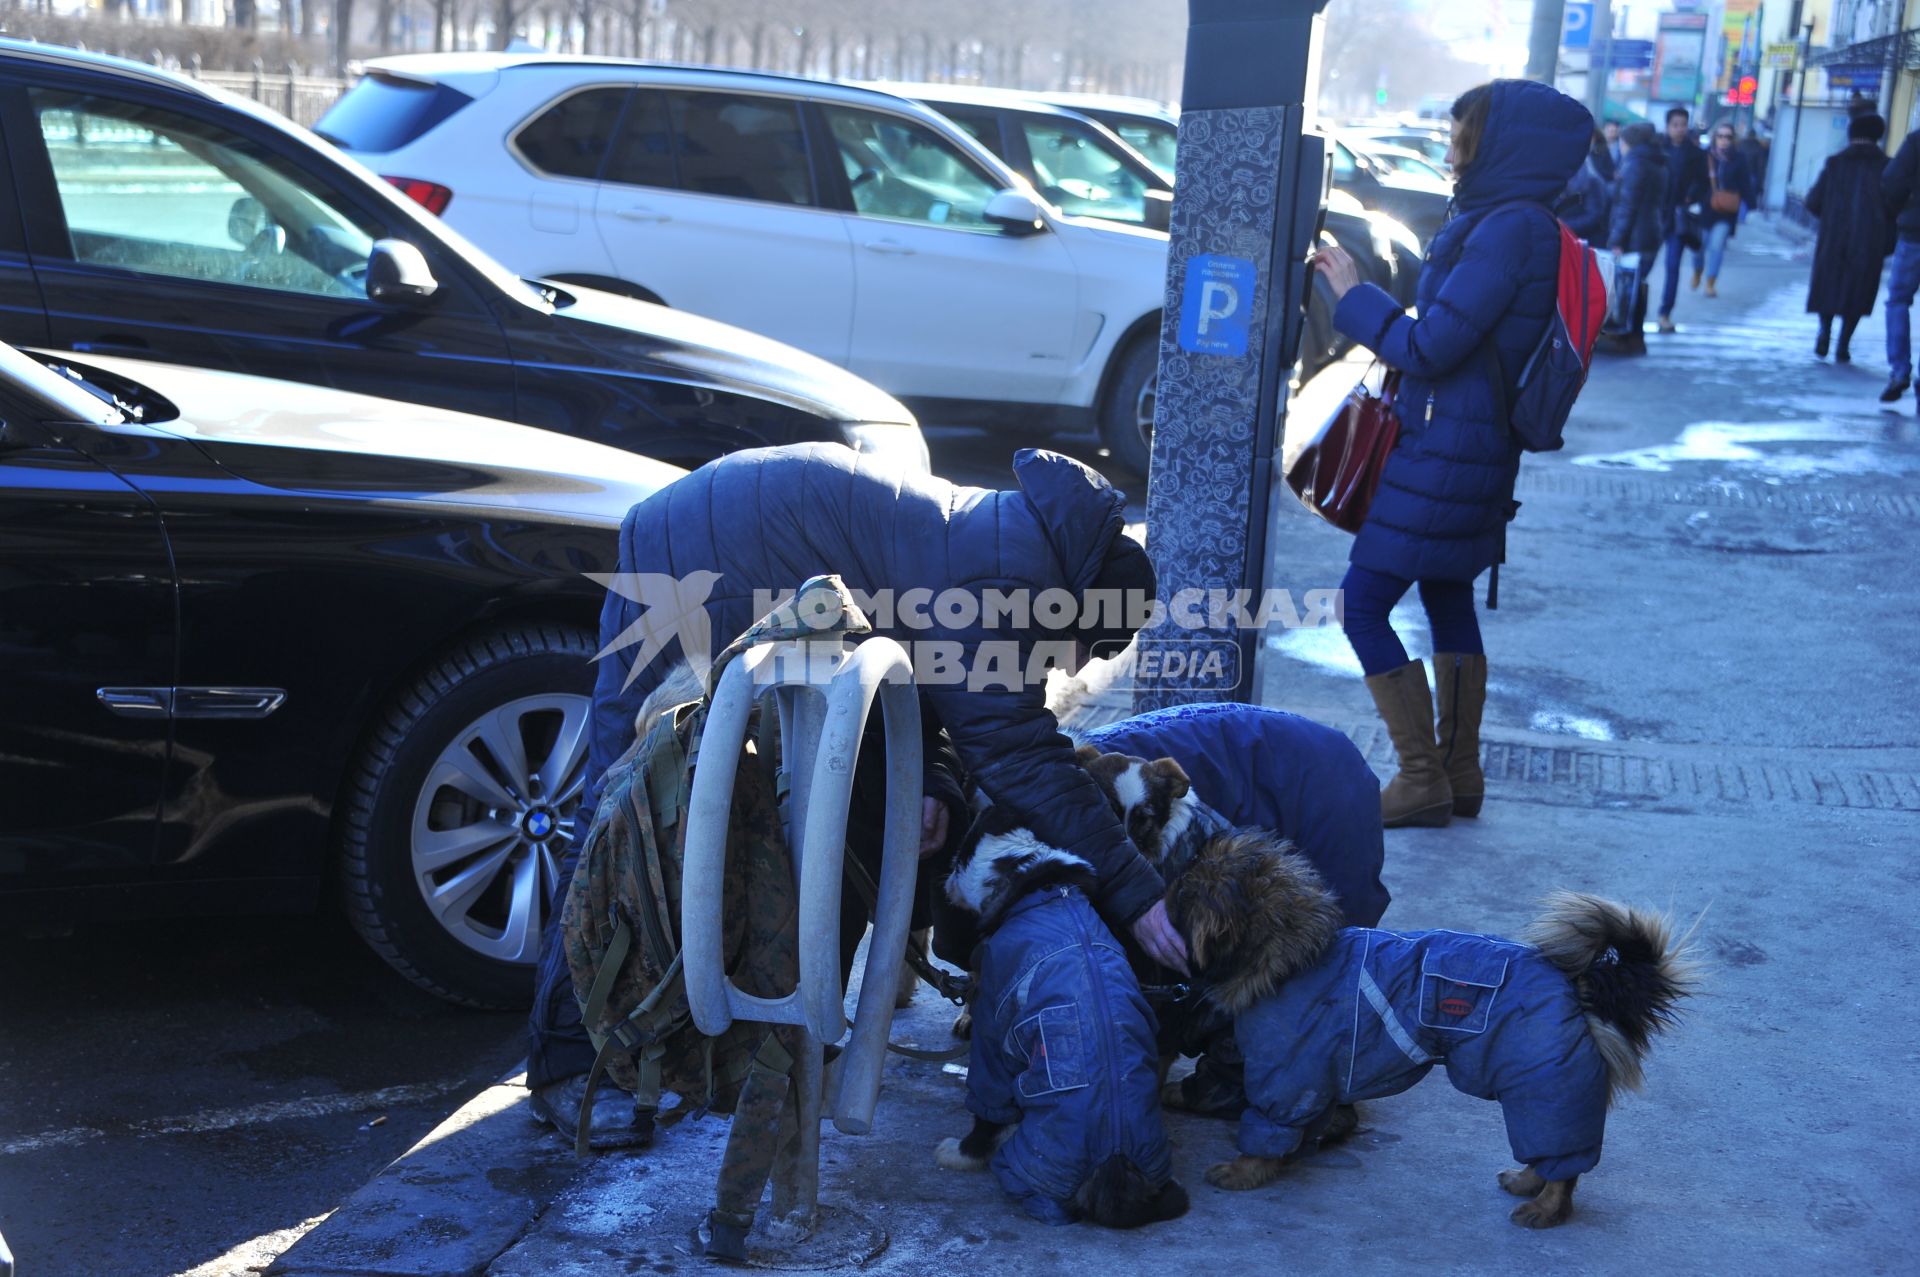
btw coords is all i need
(494, 819)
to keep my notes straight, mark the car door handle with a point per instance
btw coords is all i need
(641, 213)
(892, 246)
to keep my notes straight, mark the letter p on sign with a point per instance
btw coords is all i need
(1216, 306)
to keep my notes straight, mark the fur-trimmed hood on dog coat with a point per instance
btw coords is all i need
(1380, 1009)
(1063, 1044)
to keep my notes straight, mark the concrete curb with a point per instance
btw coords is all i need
(451, 1204)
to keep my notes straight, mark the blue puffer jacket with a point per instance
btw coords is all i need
(1382, 1008)
(1065, 1047)
(1267, 769)
(767, 519)
(1492, 272)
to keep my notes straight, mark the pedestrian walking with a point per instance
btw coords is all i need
(1730, 194)
(1638, 224)
(1439, 520)
(1855, 237)
(1901, 186)
(1689, 188)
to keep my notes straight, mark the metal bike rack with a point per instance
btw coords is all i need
(823, 690)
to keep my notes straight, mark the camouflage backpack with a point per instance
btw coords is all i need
(620, 923)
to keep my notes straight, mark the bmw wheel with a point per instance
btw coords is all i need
(1126, 414)
(461, 809)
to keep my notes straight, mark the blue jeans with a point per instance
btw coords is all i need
(1674, 252)
(1713, 251)
(1902, 280)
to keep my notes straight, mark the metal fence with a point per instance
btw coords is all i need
(301, 98)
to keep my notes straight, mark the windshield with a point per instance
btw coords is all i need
(1083, 174)
(1158, 140)
(62, 399)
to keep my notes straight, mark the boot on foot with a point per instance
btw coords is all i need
(1419, 794)
(1460, 687)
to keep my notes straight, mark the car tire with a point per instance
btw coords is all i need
(465, 790)
(1126, 411)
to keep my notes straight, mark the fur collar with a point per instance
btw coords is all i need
(1253, 914)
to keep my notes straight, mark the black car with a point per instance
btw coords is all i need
(1419, 203)
(156, 217)
(262, 638)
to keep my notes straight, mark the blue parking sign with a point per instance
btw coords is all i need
(1216, 307)
(1576, 25)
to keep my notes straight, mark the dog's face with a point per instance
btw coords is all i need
(1154, 800)
(1252, 913)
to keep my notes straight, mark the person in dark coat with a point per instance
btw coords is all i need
(1689, 189)
(1440, 516)
(1901, 186)
(1726, 171)
(1855, 237)
(1604, 153)
(762, 521)
(1638, 224)
(1587, 203)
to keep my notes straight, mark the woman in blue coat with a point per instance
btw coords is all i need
(1440, 516)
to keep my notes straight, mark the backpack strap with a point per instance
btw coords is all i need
(641, 1034)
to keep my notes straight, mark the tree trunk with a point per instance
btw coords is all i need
(505, 14)
(342, 35)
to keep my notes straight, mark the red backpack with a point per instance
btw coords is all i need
(1556, 369)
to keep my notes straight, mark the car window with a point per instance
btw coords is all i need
(384, 112)
(571, 137)
(1157, 140)
(903, 171)
(1080, 174)
(982, 126)
(1344, 167)
(152, 190)
(643, 149)
(741, 145)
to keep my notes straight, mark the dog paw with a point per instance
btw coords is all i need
(1534, 1214)
(947, 1155)
(1173, 1096)
(1243, 1173)
(1522, 1181)
(963, 1027)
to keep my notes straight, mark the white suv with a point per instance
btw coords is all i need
(853, 224)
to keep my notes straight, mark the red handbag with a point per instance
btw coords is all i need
(1336, 474)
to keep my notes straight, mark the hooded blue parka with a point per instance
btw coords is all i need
(1491, 277)
(767, 519)
(1268, 769)
(1063, 1044)
(1375, 1015)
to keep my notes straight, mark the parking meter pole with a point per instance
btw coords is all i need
(1246, 210)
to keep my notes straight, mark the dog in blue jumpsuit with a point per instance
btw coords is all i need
(1327, 1015)
(1063, 1075)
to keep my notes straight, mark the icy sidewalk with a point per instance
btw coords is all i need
(1705, 699)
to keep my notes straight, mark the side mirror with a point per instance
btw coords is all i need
(1015, 213)
(398, 272)
(1159, 210)
(246, 219)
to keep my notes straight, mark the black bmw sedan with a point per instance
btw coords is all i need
(156, 217)
(259, 639)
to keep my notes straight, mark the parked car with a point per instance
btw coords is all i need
(154, 216)
(263, 639)
(857, 225)
(1149, 127)
(1401, 161)
(1430, 144)
(1420, 203)
(1388, 252)
(1077, 164)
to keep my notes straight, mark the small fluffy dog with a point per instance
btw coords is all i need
(1062, 1077)
(1553, 1029)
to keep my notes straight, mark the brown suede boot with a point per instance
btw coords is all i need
(1419, 795)
(1461, 690)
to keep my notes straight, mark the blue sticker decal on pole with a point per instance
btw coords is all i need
(1216, 309)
